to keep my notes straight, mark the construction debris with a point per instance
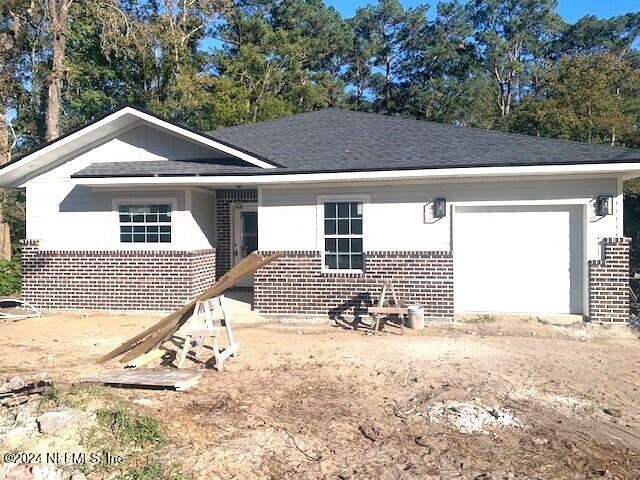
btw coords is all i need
(18, 390)
(65, 422)
(467, 417)
(15, 309)
(159, 379)
(156, 335)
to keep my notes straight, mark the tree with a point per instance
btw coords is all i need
(58, 13)
(591, 35)
(583, 98)
(318, 40)
(10, 31)
(439, 67)
(511, 34)
(387, 29)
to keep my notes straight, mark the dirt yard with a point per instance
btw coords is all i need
(494, 399)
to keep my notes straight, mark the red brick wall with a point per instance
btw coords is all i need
(609, 282)
(295, 284)
(224, 199)
(114, 280)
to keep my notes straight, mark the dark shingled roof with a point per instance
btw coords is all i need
(172, 168)
(333, 140)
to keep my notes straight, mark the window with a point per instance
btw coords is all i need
(343, 236)
(145, 223)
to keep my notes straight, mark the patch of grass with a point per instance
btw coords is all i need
(484, 318)
(78, 397)
(131, 429)
(152, 471)
(134, 436)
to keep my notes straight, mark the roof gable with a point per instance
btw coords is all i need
(125, 119)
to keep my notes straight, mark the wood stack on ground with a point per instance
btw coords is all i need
(155, 336)
(387, 310)
(19, 390)
(180, 380)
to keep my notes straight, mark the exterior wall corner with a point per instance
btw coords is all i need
(609, 282)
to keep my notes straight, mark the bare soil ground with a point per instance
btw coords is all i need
(322, 401)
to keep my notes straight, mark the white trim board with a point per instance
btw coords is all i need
(488, 173)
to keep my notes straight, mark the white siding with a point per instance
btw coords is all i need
(65, 216)
(70, 217)
(203, 229)
(394, 217)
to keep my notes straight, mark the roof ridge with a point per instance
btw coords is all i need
(416, 121)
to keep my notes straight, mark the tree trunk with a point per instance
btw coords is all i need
(5, 234)
(59, 13)
(387, 87)
(4, 137)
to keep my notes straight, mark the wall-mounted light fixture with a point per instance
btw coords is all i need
(604, 205)
(439, 207)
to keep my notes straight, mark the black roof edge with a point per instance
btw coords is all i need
(286, 171)
(142, 110)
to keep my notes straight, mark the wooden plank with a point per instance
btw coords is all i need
(388, 310)
(176, 379)
(146, 358)
(152, 342)
(201, 331)
(157, 334)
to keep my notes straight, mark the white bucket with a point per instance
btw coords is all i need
(416, 317)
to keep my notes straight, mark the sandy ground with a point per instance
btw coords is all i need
(323, 401)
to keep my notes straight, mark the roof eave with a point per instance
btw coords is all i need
(627, 169)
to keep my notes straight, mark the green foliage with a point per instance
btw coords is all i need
(129, 429)
(10, 277)
(12, 204)
(136, 437)
(151, 471)
(582, 98)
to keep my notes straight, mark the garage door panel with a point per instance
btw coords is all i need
(518, 259)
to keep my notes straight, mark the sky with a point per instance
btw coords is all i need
(570, 10)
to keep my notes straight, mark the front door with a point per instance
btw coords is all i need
(245, 236)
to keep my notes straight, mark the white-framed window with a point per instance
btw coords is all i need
(144, 222)
(343, 238)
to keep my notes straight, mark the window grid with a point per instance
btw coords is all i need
(145, 223)
(343, 248)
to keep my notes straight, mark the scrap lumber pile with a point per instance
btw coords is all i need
(155, 336)
(18, 390)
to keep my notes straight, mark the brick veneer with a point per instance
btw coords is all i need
(609, 282)
(295, 284)
(114, 280)
(224, 199)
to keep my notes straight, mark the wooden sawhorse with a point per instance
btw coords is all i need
(203, 325)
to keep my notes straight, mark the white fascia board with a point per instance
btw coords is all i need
(61, 143)
(489, 173)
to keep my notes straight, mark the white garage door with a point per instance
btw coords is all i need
(524, 259)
